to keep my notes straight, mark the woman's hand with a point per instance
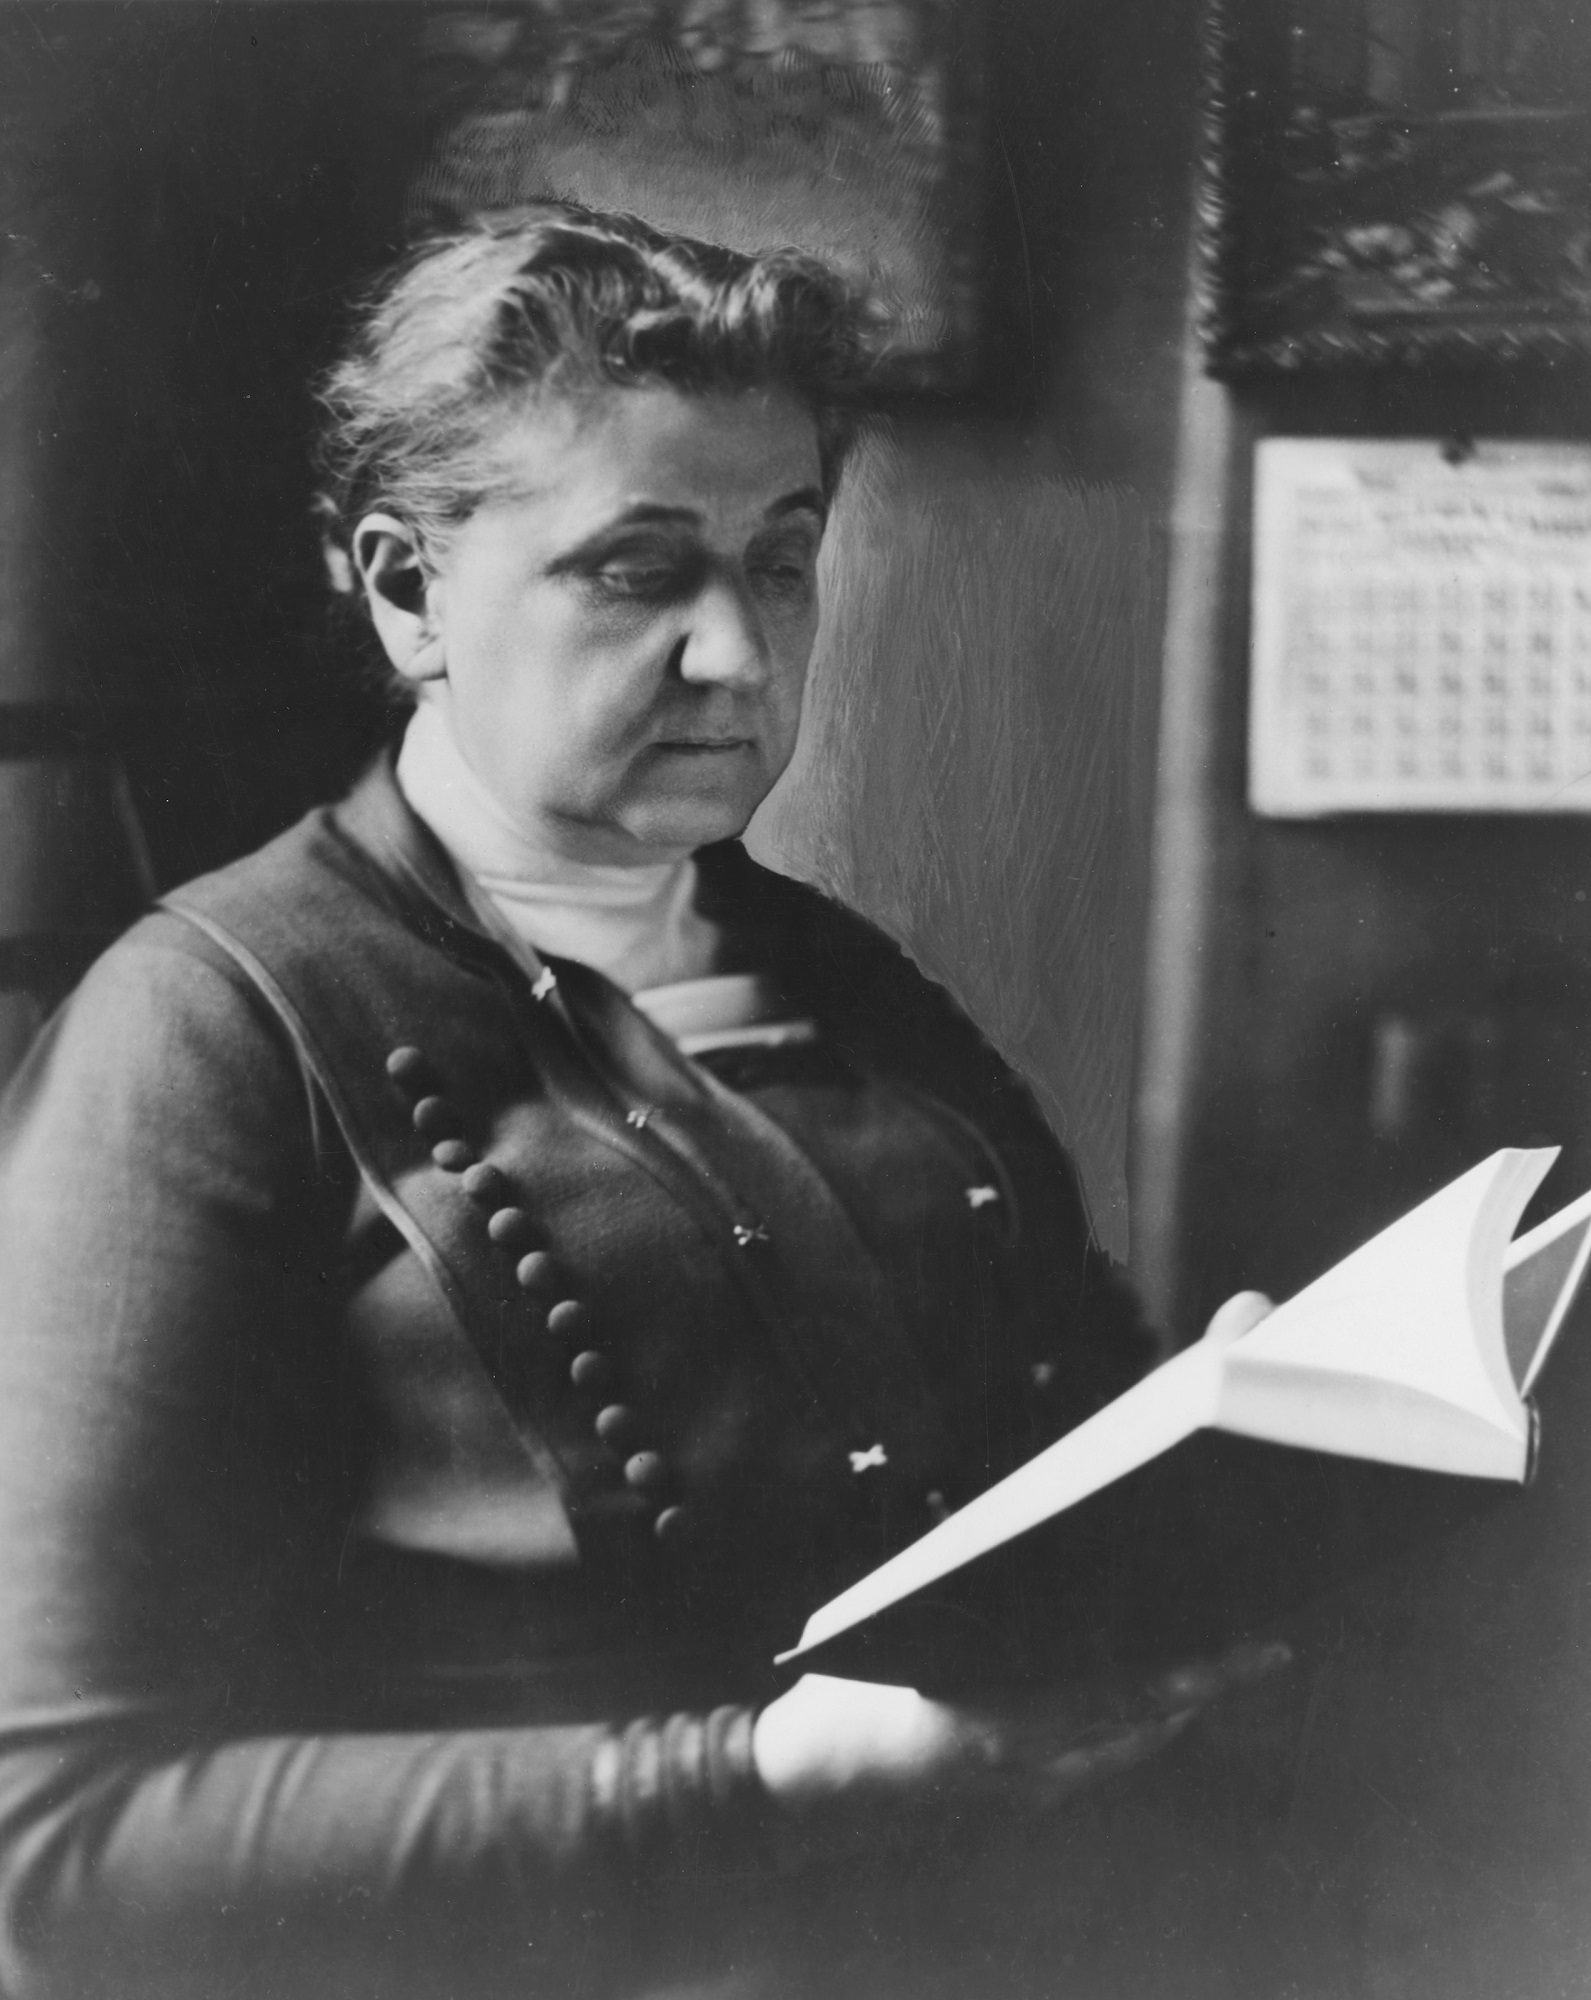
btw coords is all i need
(1241, 1314)
(856, 1750)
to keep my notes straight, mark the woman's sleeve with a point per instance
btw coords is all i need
(166, 1457)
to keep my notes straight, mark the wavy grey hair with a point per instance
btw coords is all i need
(476, 326)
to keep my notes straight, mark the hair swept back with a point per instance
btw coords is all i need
(478, 323)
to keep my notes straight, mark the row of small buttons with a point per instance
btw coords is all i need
(510, 1229)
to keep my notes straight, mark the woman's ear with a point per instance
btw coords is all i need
(403, 601)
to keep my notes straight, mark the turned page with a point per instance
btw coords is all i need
(1542, 1274)
(1397, 1353)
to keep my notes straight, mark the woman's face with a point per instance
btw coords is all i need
(622, 638)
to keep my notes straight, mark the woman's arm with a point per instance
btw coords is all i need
(173, 1466)
(143, 1865)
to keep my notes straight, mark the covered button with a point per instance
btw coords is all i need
(671, 1524)
(536, 1272)
(409, 1067)
(508, 1227)
(567, 1319)
(435, 1118)
(485, 1183)
(453, 1154)
(615, 1424)
(645, 1470)
(589, 1369)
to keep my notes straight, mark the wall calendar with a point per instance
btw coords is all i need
(1422, 627)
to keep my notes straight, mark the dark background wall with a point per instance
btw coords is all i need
(188, 191)
(185, 192)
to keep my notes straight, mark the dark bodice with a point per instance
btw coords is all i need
(754, 1334)
(402, 1341)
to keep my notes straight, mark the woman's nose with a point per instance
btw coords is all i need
(725, 644)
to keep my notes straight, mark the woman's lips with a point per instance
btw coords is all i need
(705, 746)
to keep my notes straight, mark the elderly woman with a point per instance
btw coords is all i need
(481, 1269)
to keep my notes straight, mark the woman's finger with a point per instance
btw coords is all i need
(1201, 1681)
(1241, 1314)
(1075, 1770)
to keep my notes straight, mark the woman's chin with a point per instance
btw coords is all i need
(680, 829)
(681, 817)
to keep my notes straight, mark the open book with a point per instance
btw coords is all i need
(1246, 1474)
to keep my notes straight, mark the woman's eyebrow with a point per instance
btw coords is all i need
(806, 499)
(646, 513)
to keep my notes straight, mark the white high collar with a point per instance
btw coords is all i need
(639, 925)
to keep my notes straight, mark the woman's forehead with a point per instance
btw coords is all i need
(744, 450)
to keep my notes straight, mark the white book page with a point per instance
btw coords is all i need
(1418, 1307)
(1317, 1409)
(1542, 1273)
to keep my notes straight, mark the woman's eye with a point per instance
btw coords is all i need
(785, 574)
(643, 580)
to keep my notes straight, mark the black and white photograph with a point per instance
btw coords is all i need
(795, 1000)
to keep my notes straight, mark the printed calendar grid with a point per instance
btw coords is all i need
(1422, 633)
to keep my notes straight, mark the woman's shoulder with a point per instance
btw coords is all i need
(166, 1015)
(161, 1069)
(791, 920)
(866, 982)
(156, 1005)
(310, 875)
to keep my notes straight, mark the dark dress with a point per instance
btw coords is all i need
(409, 1468)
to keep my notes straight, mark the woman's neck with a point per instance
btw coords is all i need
(637, 925)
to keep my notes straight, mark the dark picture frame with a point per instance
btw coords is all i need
(854, 133)
(1395, 182)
